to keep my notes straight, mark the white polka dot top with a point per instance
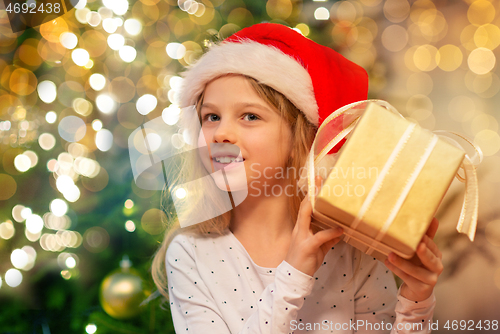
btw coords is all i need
(215, 287)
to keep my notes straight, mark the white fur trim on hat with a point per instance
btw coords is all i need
(266, 64)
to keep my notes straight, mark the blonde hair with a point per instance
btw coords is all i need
(303, 133)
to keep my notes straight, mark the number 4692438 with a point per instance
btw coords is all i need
(471, 325)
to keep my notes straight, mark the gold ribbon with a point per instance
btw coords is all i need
(468, 217)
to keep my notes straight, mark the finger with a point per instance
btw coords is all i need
(304, 216)
(412, 282)
(432, 246)
(329, 245)
(433, 227)
(420, 273)
(324, 236)
(429, 259)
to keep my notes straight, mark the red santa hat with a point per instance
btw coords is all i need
(315, 78)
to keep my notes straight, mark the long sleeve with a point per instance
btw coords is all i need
(418, 314)
(280, 302)
(191, 303)
(195, 309)
(379, 306)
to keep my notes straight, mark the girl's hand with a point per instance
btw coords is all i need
(420, 273)
(307, 249)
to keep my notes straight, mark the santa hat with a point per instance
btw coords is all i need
(315, 78)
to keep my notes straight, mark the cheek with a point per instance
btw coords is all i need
(203, 152)
(201, 139)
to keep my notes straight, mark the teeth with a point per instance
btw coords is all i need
(226, 160)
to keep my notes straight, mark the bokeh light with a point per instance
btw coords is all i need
(17, 213)
(322, 14)
(31, 253)
(129, 204)
(72, 128)
(481, 61)
(22, 163)
(91, 328)
(32, 156)
(394, 38)
(81, 57)
(51, 117)
(58, 207)
(449, 57)
(116, 41)
(19, 258)
(146, 103)
(104, 140)
(34, 223)
(105, 103)
(93, 19)
(25, 213)
(13, 278)
(46, 141)
(7, 230)
(70, 262)
(127, 53)
(95, 239)
(481, 12)
(171, 114)
(68, 40)
(396, 10)
(133, 27)
(303, 29)
(47, 91)
(488, 141)
(130, 226)
(180, 193)
(152, 221)
(8, 185)
(176, 50)
(97, 81)
(109, 25)
(426, 57)
(96, 125)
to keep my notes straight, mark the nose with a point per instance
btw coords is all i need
(225, 132)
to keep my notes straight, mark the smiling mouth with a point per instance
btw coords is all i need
(227, 160)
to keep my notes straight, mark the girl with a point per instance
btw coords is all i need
(260, 268)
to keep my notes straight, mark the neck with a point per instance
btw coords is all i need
(262, 219)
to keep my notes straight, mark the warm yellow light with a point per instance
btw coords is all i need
(304, 28)
(481, 61)
(449, 57)
(488, 141)
(426, 57)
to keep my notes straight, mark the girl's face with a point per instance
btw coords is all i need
(232, 112)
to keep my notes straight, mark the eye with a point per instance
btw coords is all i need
(255, 117)
(207, 117)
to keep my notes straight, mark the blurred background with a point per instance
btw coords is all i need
(77, 236)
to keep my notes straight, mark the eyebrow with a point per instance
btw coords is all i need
(240, 105)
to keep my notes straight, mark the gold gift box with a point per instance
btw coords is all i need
(384, 158)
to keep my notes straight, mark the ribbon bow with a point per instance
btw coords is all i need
(322, 144)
